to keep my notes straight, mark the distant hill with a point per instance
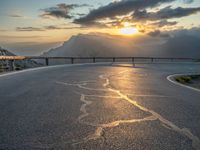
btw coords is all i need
(19, 64)
(94, 45)
(4, 52)
(182, 46)
(97, 44)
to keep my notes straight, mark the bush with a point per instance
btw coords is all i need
(184, 79)
(1, 69)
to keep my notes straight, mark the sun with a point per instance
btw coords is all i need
(128, 31)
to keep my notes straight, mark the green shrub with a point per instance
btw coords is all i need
(184, 79)
(1, 69)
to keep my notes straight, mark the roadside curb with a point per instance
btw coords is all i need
(46, 67)
(172, 80)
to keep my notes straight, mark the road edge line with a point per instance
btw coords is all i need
(171, 79)
(44, 67)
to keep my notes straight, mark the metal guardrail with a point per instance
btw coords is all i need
(12, 59)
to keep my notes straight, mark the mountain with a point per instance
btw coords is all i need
(4, 52)
(182, 46)
(19, 64)
(105, 45)
(95, 45)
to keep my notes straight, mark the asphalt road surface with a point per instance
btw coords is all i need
(99, 107)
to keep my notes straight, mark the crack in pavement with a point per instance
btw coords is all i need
(161, 96)
(81, 86)
(100, 127)
(184, 131)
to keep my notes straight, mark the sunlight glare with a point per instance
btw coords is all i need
(128, 31)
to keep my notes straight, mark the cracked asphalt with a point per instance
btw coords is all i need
(99, 106)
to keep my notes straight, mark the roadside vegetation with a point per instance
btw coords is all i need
(1, 70)
(191, 80)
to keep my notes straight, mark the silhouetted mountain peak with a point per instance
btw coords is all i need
(99, 44)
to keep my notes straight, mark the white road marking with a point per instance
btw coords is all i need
(171, 79)
(45, 67)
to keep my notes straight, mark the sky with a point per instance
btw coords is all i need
(34, 26)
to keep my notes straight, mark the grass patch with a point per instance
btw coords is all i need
(191, 80)
(1, 70)
(198, 60)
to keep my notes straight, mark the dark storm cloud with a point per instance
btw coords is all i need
(165, 13)
(117, 9)
(60, 11)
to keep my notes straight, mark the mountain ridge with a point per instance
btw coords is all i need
(106, 45)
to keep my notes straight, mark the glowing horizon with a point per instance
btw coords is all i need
(25, 23)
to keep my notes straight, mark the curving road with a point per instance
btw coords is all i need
(99, 106)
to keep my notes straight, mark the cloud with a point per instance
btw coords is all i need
(61, 11)
(17, 16)
(118, 8)
(157, 33)
(3, 30)
(188, 1)
(183, 45)
(165, 13)
(163, 23)
(154, 33)
(45, 28)
(192, 32)
(30, 48)
(29, 29)
(20, 37)
(51, 27)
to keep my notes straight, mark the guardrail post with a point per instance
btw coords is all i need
(133, 62)
(94, 59)
(47, 61)
(113, 59)
(72, 60)
(12, 65)
(152, 60)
